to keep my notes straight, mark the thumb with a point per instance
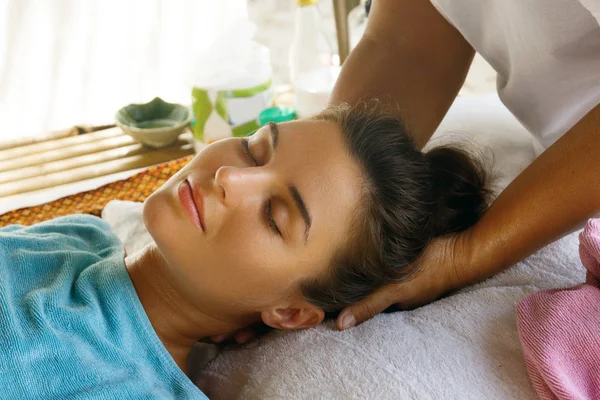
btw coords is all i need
(364, 310)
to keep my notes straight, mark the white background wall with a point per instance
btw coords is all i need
(68, 62)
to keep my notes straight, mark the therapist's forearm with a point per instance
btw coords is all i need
(555, 195)
(409, 56)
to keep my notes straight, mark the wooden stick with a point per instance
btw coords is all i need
(70, 163)
(59, 143)
(92, 171)
(68, 152)
(73, 131)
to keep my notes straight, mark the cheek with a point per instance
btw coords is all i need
(243, 233)
(235, 280)
(251, 266)
(252, 256)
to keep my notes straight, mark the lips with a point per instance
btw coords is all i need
(193, 203)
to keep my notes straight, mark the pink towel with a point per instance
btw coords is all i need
(560, 331)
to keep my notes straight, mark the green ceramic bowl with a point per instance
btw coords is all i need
(155, 124)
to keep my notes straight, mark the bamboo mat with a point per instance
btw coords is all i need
(77, 154)
(134, 188)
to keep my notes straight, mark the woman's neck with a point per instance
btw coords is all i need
(178, 323)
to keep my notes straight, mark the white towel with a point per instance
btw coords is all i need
(462, 347)
(125, 219)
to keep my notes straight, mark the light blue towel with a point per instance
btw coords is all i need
(71, 324)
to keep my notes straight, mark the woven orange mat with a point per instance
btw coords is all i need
(134, 188)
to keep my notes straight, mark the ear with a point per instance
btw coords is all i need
(302, 316)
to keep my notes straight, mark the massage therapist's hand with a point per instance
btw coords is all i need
(240, 337)
(438, 272)
(243, 335)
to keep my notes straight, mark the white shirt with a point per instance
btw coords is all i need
(546, 54)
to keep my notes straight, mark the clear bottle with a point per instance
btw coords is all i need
(310, 49)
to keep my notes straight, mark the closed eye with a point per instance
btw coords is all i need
(270, 219)
(247, 153)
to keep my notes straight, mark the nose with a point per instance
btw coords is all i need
(234, 184)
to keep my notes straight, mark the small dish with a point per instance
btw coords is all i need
(155, 124)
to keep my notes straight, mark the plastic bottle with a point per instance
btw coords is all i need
(309, 49)
(231, 85)
(311, 69)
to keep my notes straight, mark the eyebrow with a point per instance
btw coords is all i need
(274, 134)
(302, 208)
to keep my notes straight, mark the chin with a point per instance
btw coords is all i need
(167, 225)
(159, 215)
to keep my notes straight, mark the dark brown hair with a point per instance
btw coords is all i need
(409, 197)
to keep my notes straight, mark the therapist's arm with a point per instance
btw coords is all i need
(555, 195)
(410, 56)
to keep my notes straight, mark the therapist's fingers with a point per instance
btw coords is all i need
(244, 335)
(240, 337)
(218, 338)
(368, 308)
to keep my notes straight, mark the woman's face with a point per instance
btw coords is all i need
(248, 219)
